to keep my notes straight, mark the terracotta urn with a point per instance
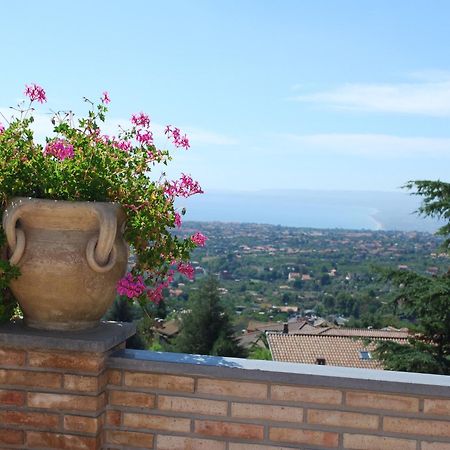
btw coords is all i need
(70, 255)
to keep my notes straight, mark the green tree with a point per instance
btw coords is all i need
(124, 311)
(424, 299)
(207, 329)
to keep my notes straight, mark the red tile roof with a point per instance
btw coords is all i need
(336, 350)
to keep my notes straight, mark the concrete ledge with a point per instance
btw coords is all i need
(99, 339)
(279, 372)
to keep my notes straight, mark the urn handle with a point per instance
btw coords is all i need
(101, 253)
(15, 237)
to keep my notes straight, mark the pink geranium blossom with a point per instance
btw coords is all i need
(177, 220)
(35, 92)
(145, 138)
(155, 295)
(186, 269)
(131, 286)
(59, 149)
(105, 98)
(184, 187)
(123, 145)
(199, 239)
(175, 134)
(140, 120)
(2, 128)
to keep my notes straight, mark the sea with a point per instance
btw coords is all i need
(368, 210)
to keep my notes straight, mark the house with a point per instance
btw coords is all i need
(345, 347)
(324, 349)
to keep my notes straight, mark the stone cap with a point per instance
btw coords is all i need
(280, 372)
(99, 339)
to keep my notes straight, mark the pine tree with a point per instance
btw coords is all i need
(207, 329)
(123, 311)
(425, 300)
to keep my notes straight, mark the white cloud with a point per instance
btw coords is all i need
(428, 95)
(372, 145)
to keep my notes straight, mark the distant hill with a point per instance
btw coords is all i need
(308, 208)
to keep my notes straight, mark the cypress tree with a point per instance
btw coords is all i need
(206, 328)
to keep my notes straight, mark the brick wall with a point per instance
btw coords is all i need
(53, 387)
(225, 404)
(78, 393)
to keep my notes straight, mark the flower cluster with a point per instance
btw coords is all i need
(199, 239)
(184, 187)
(174, 133)
(140, 120)
(35, 93)
(155, 295)
(186, 269)
(131, 286)
(80, 163)
(59, 149)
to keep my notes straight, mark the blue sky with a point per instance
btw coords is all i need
(319, 94)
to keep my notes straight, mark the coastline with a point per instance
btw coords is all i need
(374, 216)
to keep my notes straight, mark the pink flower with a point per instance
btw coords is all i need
(140, 120)
(123, 145)
(184, 187)
(2, 128)
(35, 92)
(199, 239)
(175, 134)
(131, 286)
(177, 220)
(155, 295)
(105, 98)
(145, 138)
(59, 149)
(186, 269)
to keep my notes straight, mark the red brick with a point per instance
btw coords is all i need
(159, 381)
(14, 398)
(29, 419)
(232, 388)
(65, 401)
(113, 418)
(60, 441)
(132, 399)
(185, 443)
(366, 442)
(77, 361)
(387, 402)
(296, 436)
(306, 394)
(30, 378)
(192, 405)
(83, 424)
(155, 422)
(343, 419)
(11, 437)
(435, 446)
(229, 429)
(267, 412)
(10, 357)
(417, 426)
(437, 406)
(81, 383)
(114, 377)
(232, 446)
(130, 438)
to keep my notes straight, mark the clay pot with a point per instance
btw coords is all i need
(71, 256)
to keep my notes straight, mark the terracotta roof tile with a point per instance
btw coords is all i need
(342, 351)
